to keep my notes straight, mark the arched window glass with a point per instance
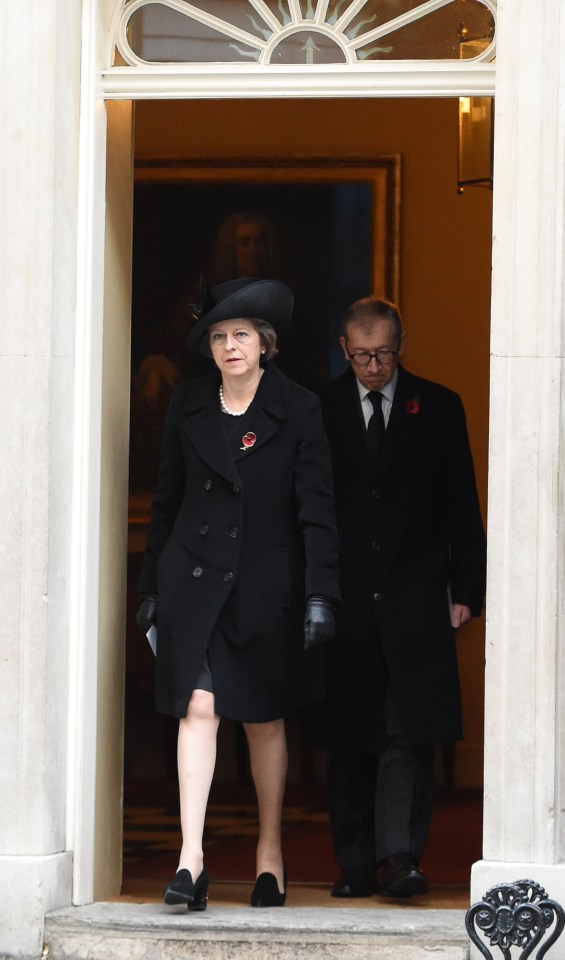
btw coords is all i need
(270, 32)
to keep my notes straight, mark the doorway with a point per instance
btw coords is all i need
(444, 293)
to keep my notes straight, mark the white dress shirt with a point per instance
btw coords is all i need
(386, 403)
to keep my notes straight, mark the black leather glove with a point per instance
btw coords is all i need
(319, 622)
(146, 614)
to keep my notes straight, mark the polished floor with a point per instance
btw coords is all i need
(152, 839)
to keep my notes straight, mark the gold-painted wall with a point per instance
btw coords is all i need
(445, 256)
(113, 503)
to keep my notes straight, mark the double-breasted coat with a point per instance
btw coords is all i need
(410, 529)
(238, 539)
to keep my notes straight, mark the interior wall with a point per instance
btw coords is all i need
(445, 257)
(113, 501)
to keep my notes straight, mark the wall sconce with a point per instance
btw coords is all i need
(476, 114)
(476, 141)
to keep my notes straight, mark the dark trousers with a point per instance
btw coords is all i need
(381, 805)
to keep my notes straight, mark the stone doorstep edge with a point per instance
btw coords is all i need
(248, 949)
(311, 925)
(248, 936)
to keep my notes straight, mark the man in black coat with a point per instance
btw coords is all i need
(412, 566)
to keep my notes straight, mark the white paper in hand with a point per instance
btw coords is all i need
(152, 638)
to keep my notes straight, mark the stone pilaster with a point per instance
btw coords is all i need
(524, 730)
(40, 55)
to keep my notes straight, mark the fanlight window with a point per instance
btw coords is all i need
(271, 32)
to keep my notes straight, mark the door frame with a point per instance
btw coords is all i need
(101, 83)
(233, 81)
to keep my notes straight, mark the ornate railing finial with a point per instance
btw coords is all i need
(518, 914)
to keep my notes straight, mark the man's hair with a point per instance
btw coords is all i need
(363, 313)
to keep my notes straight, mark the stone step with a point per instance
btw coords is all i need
(151, 931)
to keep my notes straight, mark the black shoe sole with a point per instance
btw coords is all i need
(194, 905)
(173, 899)
(406, 887)
(198, 905)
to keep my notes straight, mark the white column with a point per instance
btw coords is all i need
(525, 729)
(39, 111)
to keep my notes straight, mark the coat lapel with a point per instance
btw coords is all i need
(351, 431)
(263, 428)
(269, 408)
(204, 428)
(204, 420)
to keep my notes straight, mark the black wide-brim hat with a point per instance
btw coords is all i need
(248, 298)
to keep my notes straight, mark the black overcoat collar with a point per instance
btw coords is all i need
(203, 419)
(402, 421)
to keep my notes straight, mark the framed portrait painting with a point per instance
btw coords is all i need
(328, 227)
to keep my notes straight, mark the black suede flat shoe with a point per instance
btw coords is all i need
(182, 890)
(266, 891)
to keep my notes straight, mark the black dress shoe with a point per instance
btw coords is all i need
(266, 891)
(400, 876)
(359, 882)
(182, 889)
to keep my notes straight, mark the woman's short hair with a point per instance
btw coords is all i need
(267, 336)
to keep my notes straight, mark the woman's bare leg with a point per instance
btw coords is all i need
(196, 758)
(268, 756)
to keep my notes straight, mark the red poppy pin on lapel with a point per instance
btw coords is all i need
(413, 406)
(248, 440)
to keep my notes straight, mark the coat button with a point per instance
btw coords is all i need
(208, 484)
(234, 533)
(375, 545)
(375, 494)
(236, 488)
(197, 572)
(204, 529)
(378, 597)
(228, 577)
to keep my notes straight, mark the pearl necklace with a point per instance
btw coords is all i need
(226, 409)
(234, 413)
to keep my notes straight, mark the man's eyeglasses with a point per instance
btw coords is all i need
(363, 357)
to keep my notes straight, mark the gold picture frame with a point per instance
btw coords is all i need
(382, 174)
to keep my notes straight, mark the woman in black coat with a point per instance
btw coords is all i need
(242, 537)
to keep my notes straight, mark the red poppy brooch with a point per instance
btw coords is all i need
(248, 440)
(413, 405)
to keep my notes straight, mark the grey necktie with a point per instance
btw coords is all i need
(376, 425)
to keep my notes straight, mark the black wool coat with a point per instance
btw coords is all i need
(238, 539)
(410, 529)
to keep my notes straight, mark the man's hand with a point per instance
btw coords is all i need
(146, 615)
(319, 622)
(460, 614)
